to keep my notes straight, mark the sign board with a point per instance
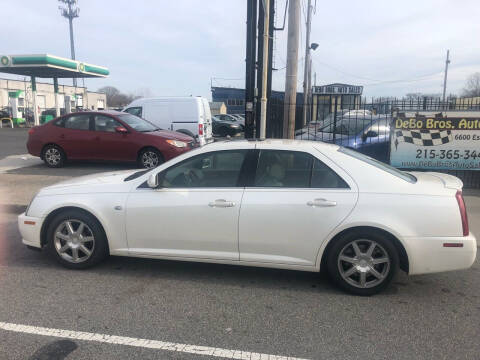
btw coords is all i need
(337, 89)
(436, 142)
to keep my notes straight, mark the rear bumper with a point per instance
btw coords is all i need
(428, 254)
(30, 228)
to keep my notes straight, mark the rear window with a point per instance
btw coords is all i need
(380, 165)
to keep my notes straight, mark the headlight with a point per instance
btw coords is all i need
(177, 143)
(235, 126)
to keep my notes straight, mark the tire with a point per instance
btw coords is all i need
(222, 132)
(75, 246)
(348, 259)
(54, 156)
(150, 158)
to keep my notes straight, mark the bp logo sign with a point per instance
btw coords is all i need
(81, 67)
(5, 61)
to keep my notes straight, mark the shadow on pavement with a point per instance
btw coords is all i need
(73, 169)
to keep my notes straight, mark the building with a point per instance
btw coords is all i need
(218, 107)
(80, 97)
(234, 98)
(326, 98)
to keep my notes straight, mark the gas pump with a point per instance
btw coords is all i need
(17, 116)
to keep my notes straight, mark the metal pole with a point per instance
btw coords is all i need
(258, 94)
(292, 67)
(445, 77)
(34, 96)
(55, 90)
(263, 108)
(250, 68)
(306, 67)
(72, 45)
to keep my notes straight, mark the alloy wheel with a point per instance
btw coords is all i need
(74, 241)
(150, 159)
(363, 263)
(53, 156)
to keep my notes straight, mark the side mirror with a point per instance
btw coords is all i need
(368, 134)
(152, 181)
(121, 129)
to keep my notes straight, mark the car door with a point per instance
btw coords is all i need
(75, 136)
(109, 144)
(374, 140)
(194, 211)
(291, 206)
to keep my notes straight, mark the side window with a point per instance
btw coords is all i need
(60, 122)
(277, 168)
(137, 111)
(325, 178)
(78, 122)
(214, 169)
(105, 123)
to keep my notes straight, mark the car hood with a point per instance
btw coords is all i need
(107, 182)
(173, 135)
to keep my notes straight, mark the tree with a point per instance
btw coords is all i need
(115, 98)
(472, 87)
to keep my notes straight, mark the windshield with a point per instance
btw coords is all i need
(346, 126)
(378, 164)
(137, 124)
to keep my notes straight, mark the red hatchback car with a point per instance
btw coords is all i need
(105, 135)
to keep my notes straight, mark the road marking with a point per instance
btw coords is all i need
(144, 343)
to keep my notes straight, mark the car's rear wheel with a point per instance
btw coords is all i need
(76, 239)
(53, 156)
(222, 132)
(362, 263)
(150, 158)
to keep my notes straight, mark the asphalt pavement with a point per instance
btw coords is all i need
(128, 308)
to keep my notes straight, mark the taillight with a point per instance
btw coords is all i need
(463, 212)
(31, 131)
(200, 129)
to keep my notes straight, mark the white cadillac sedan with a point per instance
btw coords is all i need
(284, 204)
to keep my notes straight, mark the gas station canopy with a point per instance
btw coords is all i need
(45, 66)
(49, 66)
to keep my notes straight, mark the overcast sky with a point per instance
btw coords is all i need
(177, 47)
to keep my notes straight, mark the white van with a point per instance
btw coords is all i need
(188, 115)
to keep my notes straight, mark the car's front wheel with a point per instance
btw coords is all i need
(150, 158)
(362, 263)
(76, 239)
(53, 156)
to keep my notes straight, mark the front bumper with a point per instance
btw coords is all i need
(30, 228)
(428, 254)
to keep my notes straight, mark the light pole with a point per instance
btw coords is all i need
(71, 11)
(307, 82)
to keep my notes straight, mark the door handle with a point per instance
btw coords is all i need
(221, 203)
(62, 136)
(321, 203)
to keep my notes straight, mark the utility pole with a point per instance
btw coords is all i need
(445, 77)
(70, 12)
(306, 67)
(263, 105)
(292, 67)
(250, 68)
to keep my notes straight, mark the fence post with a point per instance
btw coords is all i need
(335, 119)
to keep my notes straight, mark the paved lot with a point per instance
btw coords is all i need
(274, 312)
